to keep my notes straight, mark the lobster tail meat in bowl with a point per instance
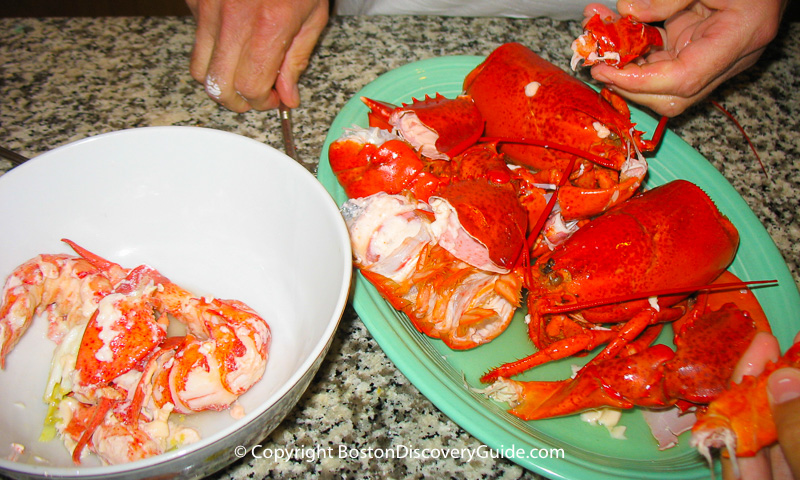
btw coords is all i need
(183, 314)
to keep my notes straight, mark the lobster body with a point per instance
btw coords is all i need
(654, 241)
(672, 235)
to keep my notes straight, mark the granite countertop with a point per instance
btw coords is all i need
(65, 79)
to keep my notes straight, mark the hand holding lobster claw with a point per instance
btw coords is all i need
(705, 44)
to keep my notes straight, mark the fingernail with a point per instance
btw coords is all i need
(783, 385)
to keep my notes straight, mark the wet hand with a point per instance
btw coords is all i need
(706, 43)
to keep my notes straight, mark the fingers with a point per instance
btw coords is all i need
(251, 53)
(296, 59)
(261, 55)
(763, 348)
(756, 467)
(207, 26)
(651, 10)
(600, 9)
(671, 81)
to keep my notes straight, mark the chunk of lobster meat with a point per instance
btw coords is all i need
(439, 127)
(667, 425)
(368, 161)
(388, 233)
(122, 332)
(395, 247)
(615, 42)
(67, 288)
(223, 355)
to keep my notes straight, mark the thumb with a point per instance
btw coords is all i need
(784, 392)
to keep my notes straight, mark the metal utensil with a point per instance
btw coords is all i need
(13, 157)
(286, 127)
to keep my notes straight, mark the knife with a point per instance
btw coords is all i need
(14, 157)
(286, 127)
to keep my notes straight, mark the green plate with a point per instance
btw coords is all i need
(440, 373)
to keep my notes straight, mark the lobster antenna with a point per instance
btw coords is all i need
(655, 293)
(746, 137)
(660, 128)
(602, 161)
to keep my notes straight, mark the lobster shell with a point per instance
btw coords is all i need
(521, 95)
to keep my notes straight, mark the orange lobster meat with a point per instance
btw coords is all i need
(116, 377)
(614, 42)
(672, 235)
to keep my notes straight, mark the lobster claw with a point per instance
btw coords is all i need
(367, 162)
(614, 42)
(440, 128)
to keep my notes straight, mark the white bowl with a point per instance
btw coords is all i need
(216, 213)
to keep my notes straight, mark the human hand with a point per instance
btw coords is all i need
(780, 461)
(250, 53)
(706, 43)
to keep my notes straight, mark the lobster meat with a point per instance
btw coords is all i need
(614, 42)
(116, 376)
(446, 260)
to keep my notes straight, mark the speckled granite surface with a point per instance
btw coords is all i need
(65, 79)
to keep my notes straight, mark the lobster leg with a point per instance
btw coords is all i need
(596, 385)
(588, 339)
(556, 351)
